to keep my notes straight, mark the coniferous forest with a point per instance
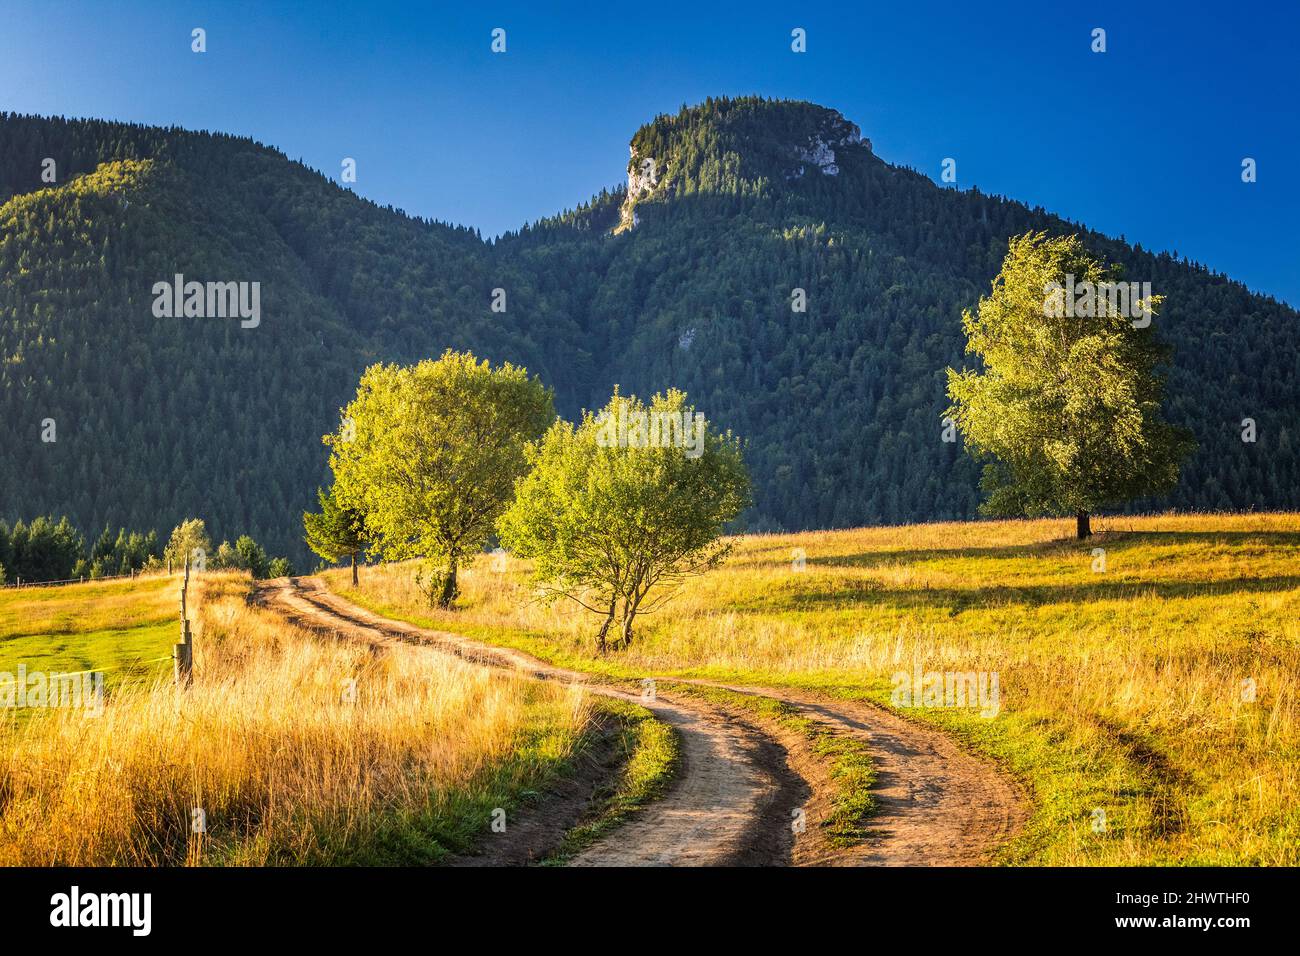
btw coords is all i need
(119, 418)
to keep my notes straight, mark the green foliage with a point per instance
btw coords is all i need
(247, 555)
(226, 557)
(122, 553)
(50, 551)
(187, 537)
(428, 455)
(47, 550)
(615, 508)
(279, 568)
(44, 550)
(336, 533)
(252, 556)
(1068, 402)
(840, 405)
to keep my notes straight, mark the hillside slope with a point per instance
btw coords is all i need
(842, 403)
(160, 418)
(1149, 710)
(684, 281)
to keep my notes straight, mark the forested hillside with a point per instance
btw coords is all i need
(686, 281)
(159, 419)
(842, 404)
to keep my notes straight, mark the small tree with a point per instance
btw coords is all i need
(251, 556)
(45, 550)
(336, 533)
(428, 455)
(279, 568)
(186, 538)
(226, 558)
(630, 500)
(1068, 403)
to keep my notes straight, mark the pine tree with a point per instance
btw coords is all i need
(336, 533)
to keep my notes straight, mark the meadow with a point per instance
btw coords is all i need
(119, 627)
(290, 748)
(1147, 694)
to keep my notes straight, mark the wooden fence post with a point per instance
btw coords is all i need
(183, 655)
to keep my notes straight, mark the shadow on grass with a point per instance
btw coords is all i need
(956, 600)
(1118, 541)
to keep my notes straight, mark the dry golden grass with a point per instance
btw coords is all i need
(1122, 691)
(284, 768)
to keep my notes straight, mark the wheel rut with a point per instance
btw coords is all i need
(732, 800)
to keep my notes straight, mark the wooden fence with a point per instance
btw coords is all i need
(184, 650)
(20, 583)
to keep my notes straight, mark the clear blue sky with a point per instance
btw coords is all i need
(1145, 140)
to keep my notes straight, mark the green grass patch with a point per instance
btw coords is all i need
(848, 759)
(653, 756)
(118, 627)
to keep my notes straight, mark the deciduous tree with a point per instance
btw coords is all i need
(429, 454)
(614, 519)
(187, 537)
(1066, 407)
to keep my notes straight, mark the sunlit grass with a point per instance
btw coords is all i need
(1123, 691)
(118, 627)
(285, 763)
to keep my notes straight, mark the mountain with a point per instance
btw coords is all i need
(683, 278)
(156, 419)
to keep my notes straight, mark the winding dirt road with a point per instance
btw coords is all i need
(735, 793)
(937, 805)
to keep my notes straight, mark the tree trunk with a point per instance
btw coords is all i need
(603, 634)
(628, 615)
(354, 569)
(448, 586)
(1083, 524)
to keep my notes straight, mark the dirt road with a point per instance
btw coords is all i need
(937, 804)
(735, 793)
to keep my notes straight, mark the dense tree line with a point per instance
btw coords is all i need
(44, 550)
(49, 550)
(153, 420)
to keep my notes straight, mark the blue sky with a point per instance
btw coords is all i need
(1145, 140)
